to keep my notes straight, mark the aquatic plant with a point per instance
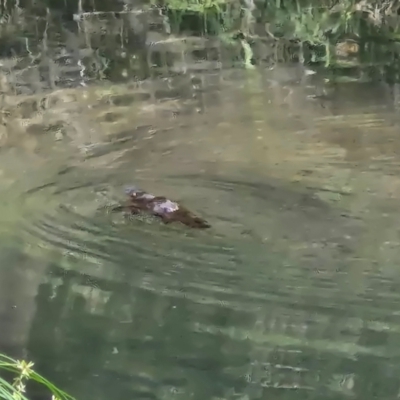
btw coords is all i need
(315, 28)
(156, 36)
(23, 373)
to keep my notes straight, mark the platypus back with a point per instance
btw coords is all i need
(169, 211)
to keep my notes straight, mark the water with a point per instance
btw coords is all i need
(293, 292)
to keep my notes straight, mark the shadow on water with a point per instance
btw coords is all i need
(292, 292)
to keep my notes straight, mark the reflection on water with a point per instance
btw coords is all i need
(292, 292)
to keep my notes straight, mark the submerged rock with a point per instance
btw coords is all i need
(169, 211)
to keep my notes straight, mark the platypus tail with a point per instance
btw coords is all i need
(200, 223)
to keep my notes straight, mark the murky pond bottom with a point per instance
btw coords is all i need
(291, 294)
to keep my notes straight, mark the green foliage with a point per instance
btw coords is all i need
(23, 373)
(317, 25)
(199, 6)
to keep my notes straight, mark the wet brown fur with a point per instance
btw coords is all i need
(136, 204)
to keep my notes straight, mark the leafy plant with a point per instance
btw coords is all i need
(23, 373)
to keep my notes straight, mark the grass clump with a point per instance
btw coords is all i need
(23, 373)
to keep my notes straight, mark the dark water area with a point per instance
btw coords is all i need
(292, 292)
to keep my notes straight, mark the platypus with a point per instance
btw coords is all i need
(169, 211)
